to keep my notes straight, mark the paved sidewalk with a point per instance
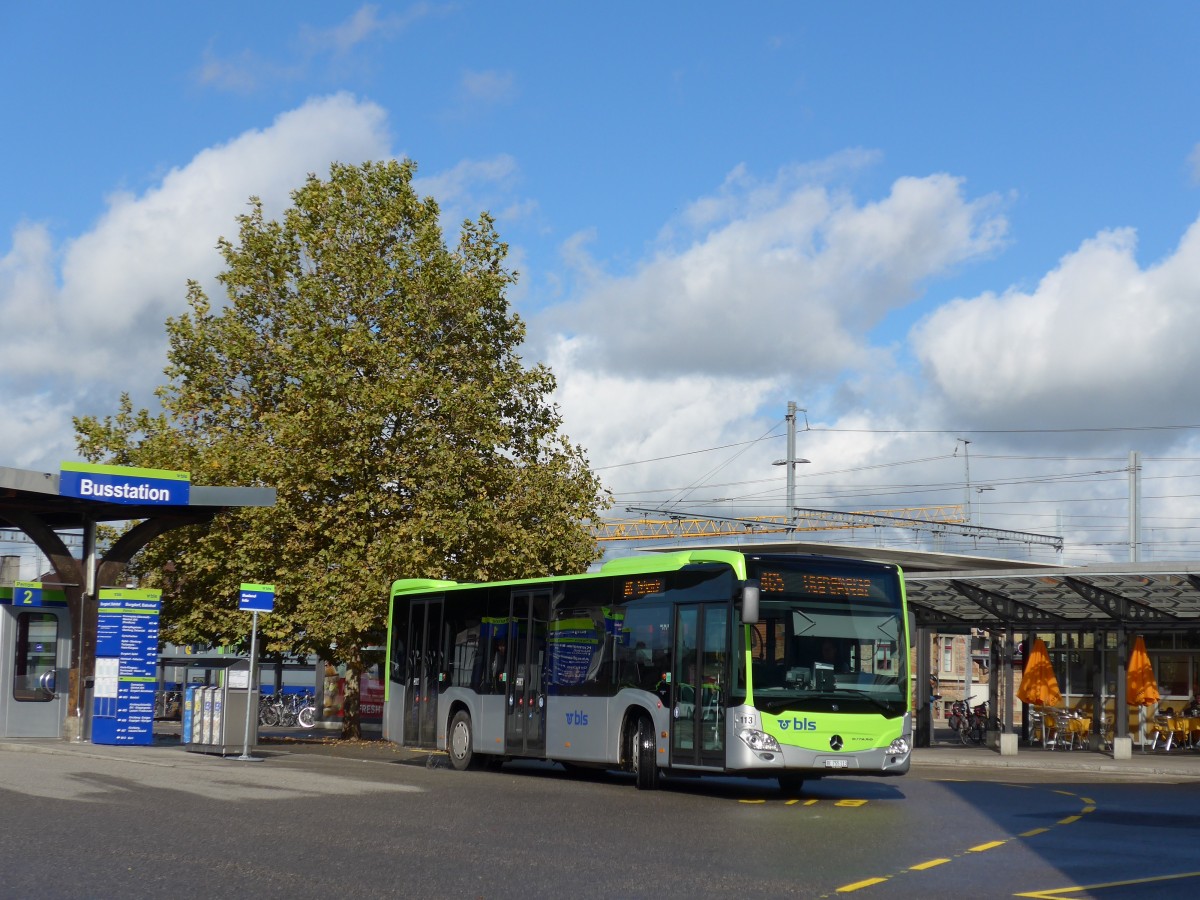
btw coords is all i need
(1176, 764)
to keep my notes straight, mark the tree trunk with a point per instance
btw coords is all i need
(351, 720)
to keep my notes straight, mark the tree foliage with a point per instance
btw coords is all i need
(371, 374)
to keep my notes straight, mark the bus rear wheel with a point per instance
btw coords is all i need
(461, 755)
(642, 758)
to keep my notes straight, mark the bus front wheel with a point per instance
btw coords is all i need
(461, 755)
(645, 766)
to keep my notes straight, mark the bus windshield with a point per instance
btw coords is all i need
(828, 632)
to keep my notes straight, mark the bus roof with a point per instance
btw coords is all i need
(625, 565)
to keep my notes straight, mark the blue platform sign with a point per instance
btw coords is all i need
(257, 598)
(124, 484)
(126, 666)
(27, 593)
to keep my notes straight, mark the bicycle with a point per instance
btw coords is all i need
(287, 710)
(958, 714)
(974, 728)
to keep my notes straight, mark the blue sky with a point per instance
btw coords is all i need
(921, 222)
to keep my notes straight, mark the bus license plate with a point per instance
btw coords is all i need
(835, 764)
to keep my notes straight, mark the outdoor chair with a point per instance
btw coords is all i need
(1159, 730)
(1079, 728)
(1037, 728)
(1179, 733)
(1050, 730)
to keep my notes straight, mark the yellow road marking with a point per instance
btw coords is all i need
(1057, 893)
(858, 885)
(752, 801)
(791, 802)
(990, 845)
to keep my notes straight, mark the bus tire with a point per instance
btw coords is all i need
(791, 784)
(461, 739)
(642, 758)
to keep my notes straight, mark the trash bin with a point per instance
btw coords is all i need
(214, 719)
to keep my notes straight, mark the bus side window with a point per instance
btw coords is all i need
(647, 630)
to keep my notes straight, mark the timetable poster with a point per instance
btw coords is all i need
(126, 666)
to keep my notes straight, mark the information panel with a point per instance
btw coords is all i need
(126, 666)
(257, 597)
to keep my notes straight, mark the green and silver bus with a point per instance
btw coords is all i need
(686, 663)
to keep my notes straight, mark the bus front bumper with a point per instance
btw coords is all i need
(782, 758)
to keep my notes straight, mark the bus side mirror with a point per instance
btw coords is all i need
(749, 603)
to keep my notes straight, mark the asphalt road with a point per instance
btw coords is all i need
(304, 825)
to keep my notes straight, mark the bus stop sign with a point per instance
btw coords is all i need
(257, 597)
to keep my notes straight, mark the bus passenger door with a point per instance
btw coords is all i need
(699, 685)
(425, 648)
(525, 698)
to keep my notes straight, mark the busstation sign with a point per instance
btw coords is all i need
(124, 484)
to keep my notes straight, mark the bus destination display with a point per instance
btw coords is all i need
(812, 584)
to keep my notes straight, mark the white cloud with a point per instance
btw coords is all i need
(630, 417)
(242, 73)
(342, 38)
(1099, 340)
(458, 190)
(786, 278)
(246, 71)
(91, 312)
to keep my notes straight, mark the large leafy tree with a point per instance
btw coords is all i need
(371, 374)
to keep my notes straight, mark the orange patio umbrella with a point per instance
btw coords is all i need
(1141, 689)
(1039, 686)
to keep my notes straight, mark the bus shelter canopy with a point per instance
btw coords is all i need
(1146, 597)
(954, 593)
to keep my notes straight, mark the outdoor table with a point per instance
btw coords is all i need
(1178, 730)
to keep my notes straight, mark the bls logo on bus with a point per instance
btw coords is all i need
(579, 717)
(797, 724)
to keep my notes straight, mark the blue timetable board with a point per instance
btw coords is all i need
(126, 666)
(257, 597)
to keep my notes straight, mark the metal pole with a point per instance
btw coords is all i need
(967, 467)
(1134, 512)
(250, 687)
(89, 594)
(791, 462)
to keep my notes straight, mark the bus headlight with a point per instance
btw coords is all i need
(899, 745)
(757, 740)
